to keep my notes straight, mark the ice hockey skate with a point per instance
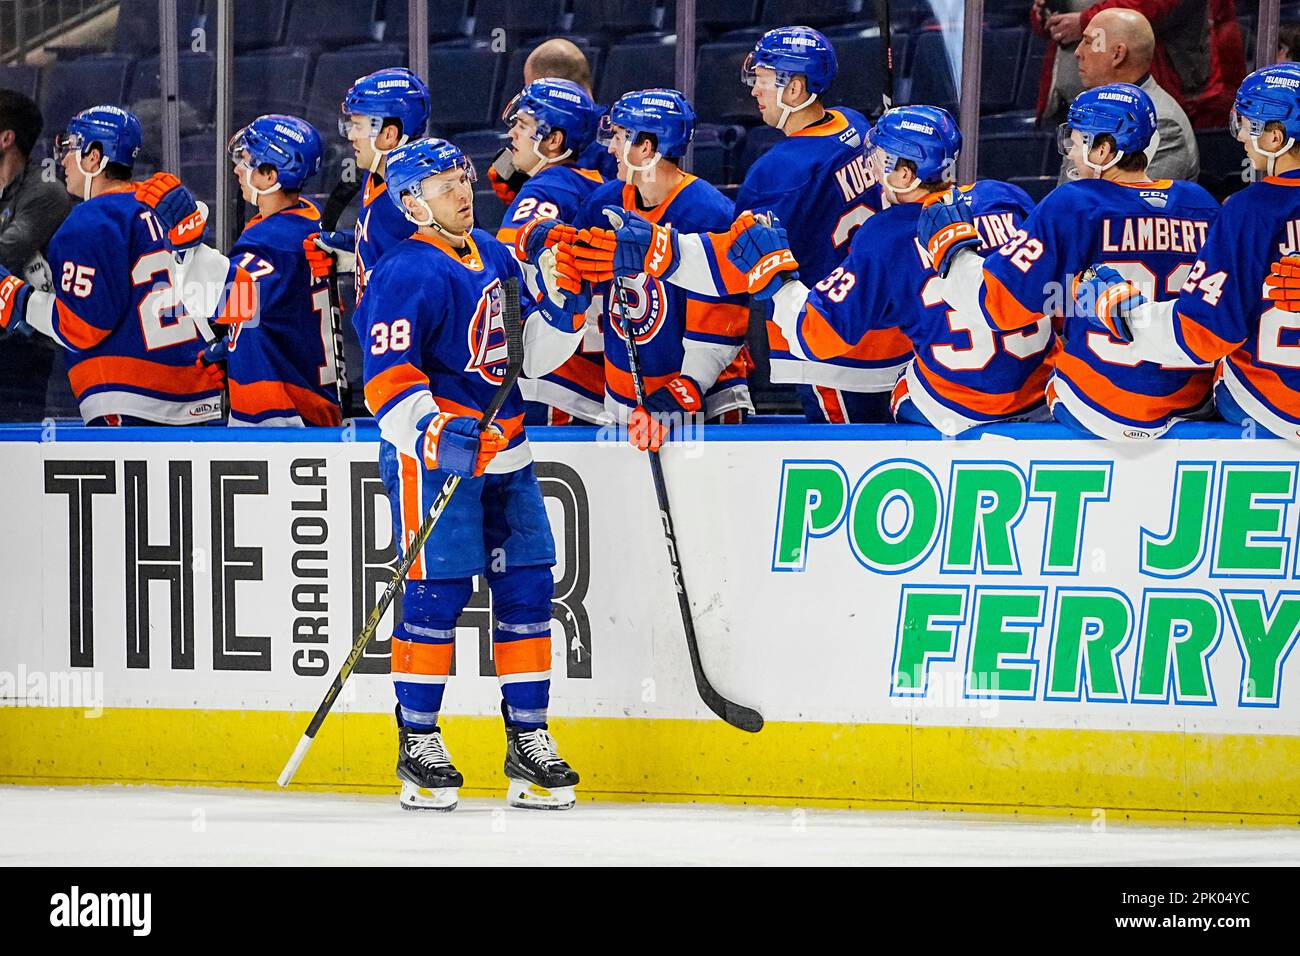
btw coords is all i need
(430, 781)
(539, 777)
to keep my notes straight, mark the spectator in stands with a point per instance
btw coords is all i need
(1180, 57)
(32, 207)
(1288, 43)
(1117, 47)
(1227, 68)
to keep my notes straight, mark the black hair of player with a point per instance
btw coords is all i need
(20, 113)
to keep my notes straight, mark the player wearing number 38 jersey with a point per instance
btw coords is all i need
(1149, 232)
(131, 347)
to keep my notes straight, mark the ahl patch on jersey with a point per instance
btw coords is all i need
(486, 337)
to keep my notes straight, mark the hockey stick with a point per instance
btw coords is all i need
(738, 715)
(329, 219)
(514, 365)
(886, 53)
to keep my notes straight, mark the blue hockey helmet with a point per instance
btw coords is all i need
(556, 104)
(410, 164)
(927, 136)
(1121, 111)
(790, 52)
(288, 143)
(664, 114)
(116, 132)
(1269, 95)
(395, 92)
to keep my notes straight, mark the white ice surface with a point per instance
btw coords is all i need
(153, 825)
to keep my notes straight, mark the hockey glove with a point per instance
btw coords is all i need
(539, 234)
(324, 258)
(635, 245)
(175, 206)
(1283, 283)
(212, 360)
(1107, 299)
(761, 250)
(947, 225)
(506, 180)
(666, 408)
(14, 293)
(454, 443)
(565, 297)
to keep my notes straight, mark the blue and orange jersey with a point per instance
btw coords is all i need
(677, 332)
(434, 341)
(1223, 313)
(380, 226)
(132, 346)
(887, 286)
(280, 366)
(1151, 233)
(818, 182)
(578, 386)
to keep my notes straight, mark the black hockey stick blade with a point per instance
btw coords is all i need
(738, 715)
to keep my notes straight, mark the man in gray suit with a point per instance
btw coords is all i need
(1117, 47)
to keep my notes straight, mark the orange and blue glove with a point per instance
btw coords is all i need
(946, 226)
(1107, 299)
(455, 444)
(14, 293)
(760, 248)
(175, 206)
(676, 403)
(1283, 282)
(212, 360)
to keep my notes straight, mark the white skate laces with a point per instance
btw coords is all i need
(429, 749)
(539, 746)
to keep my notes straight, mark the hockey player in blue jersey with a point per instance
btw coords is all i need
(818, 183)
(963, 376)
(280, 364)
(1111, 212)
(551, 123)
(1228, 309)
(694, 364)
(115, 305)
(380, 112)
(434, 354)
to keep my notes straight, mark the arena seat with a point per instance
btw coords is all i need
(714, 150)
(137, 26)
(197, 82)
(637, 66)
(813, 13)
(617, 18)
(337, 71)
(1036, 186)
(258, 24)
(519, 19)
(1007, 155)
(272, 81)
(860, 80)
(447, 19)
(75, 85)
(332, 23)
(720, 96)
(23, 77)
(726, 14)
(1000, 66)
(463, 84)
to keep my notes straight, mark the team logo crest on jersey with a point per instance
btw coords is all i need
(645, 299)
(486, 337)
